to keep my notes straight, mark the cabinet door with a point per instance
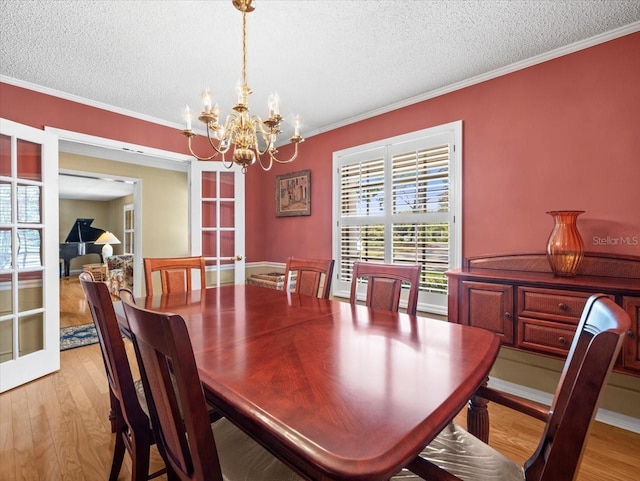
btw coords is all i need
(489, 306)
(631, 346)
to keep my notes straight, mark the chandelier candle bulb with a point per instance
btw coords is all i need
(187, 117)
(206, 99)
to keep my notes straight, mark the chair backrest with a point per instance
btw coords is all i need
(175, 273)
(309, 275)
(162, 343)
(384, 285)
(593, 352)
(113, 352)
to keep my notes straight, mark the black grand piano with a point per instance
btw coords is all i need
(79, 242)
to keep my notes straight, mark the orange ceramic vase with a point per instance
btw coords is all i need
(565, 248)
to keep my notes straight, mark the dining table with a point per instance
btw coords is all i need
(336, 391)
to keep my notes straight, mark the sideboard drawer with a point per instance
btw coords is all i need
(543, 336)
(553, 305)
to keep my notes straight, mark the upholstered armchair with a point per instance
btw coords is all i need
(119, 273)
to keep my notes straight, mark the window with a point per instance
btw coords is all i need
(128, 229)
(398, 201)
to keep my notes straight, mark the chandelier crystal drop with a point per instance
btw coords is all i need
(242, 131)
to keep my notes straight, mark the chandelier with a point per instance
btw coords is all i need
(242, 131)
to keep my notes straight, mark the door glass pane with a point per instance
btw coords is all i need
(227, 214)
(227, 185)
(30, 295)
(209, 214)
(5, 248)
(5, 202)
(29, 204)
(209, 185)
(227, 249)
(6, 296)
(30, 334)
(6, 340)
(5, 155)
(29, 160)
(29, 248)
(209, 244)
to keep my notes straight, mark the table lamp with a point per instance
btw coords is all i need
(107, 238)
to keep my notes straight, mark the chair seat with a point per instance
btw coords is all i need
(468, 458)
(141, 397)
(243, 459)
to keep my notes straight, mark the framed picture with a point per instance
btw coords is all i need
(293, 194)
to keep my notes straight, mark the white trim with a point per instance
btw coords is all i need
(604, 415)
(85, 101)
(104, 148)
(271, 265)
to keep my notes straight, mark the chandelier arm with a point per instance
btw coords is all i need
(291, 159)
(266, 134)
(218, 149)
(211, 157)
(224, 163)
(266, 169)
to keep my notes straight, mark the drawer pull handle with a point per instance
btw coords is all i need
(507, 315)
(563, 307)
(562, 340)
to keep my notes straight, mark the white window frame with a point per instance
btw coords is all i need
(452, 132)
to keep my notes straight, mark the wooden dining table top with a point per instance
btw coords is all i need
(339, 392)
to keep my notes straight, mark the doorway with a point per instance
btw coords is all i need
(102, 200)
(105, 185)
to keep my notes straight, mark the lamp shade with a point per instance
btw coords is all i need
(107, 238)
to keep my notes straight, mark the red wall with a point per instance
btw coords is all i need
(560, 135)
(564, 134)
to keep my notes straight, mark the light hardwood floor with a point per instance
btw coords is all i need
(56, 428)
(74, 310)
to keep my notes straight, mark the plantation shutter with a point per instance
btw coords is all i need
(420, 200)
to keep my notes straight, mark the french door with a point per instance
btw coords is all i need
(217, 220)
(29, 257)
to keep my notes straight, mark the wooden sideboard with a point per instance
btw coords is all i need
(519, 298)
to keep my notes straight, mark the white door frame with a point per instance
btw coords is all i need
(103, 148)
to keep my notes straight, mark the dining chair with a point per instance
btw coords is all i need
(384, 285)
(130, 422)
(455, 454)
(312, 276)
(195, 450)
(175, 273)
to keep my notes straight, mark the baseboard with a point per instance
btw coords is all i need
(278, 266)
(603, 415)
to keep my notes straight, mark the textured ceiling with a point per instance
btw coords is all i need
(330, 61)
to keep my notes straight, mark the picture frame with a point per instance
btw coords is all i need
(293, 194)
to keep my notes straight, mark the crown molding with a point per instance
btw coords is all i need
(553, 54)
(538, 59)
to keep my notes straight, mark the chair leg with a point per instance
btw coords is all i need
(118, 456)
(140, 461)
(113, 412)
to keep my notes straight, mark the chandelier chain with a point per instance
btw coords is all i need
(244, 48)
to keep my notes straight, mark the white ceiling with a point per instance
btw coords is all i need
(84, 188)
(331, 61)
